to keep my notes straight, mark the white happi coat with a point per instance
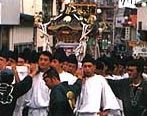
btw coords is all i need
(95, 93)
(65, 76)
(38, 97)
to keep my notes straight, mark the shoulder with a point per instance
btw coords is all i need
(61, 87)
(67, 74)
(99, 77)
(59, 91)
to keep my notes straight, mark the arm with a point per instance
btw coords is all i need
(17, 79)
(76, 87)
(117, 86)
(23, 86)
(108, 100)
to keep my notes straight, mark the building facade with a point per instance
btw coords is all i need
(6, 20)
(17, 23)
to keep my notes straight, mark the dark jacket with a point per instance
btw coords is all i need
(59, 105)
(10, 93)
(134, 98)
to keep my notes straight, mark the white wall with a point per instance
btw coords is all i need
(31, 6)
(142, 17)
(10, 12)
(20, 35)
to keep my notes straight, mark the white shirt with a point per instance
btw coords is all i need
(65, 76)
(96, 93)
(144, 76)
(38, 96)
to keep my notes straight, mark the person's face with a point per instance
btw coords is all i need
(11, 62)
(65, 66)
(132, 72)
(20, 61)
(72, 68)
(44, 62)
(88, 69)
(79, 73)
(3, 63)
(56, 64)
(121, 69)
(105, 68)
(115, 71)
(50, 82)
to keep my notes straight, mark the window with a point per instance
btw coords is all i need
(22, 46)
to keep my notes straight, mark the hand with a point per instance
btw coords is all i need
(13, 66)
(33, 69)
(103, 113)
(79, 73)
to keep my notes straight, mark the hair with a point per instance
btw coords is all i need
(72, 59)
(21, 55)
(46, 53)
(108, 61)
(88, 58)
(13, 55)
(4, 54)
(60, 55)
(99, 65)
(51, 73)
(34, 57)
(27, 54)
(139, 63)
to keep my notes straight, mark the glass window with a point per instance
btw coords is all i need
(22, 46)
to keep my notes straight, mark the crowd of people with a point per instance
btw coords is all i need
(45, 84)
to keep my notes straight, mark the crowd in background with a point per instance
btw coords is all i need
(45, 84)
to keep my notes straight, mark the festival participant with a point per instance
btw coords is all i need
(72, 64)
(133, 90)
(96, 94)
(10, 92)
(57, 62)
(62, 96)
(22, 69)
(38, 96)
